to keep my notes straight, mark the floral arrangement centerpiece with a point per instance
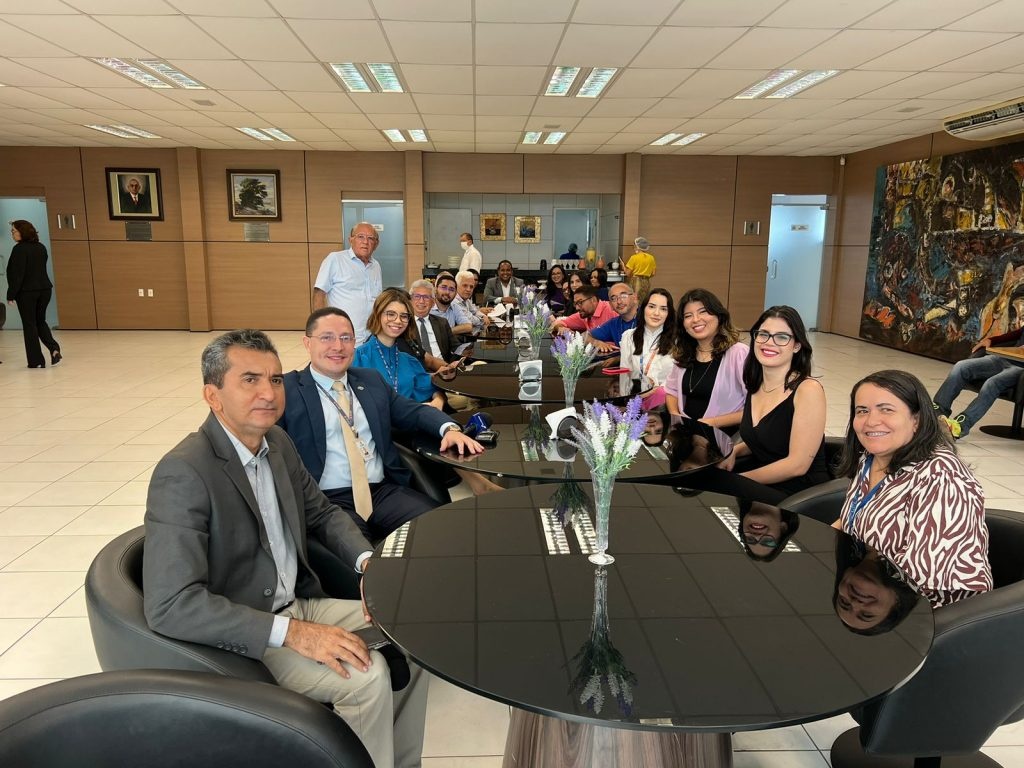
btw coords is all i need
(609, 440)
(574, 356)
(599, 664)
(535, 318)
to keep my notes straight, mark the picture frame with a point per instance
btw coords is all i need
(492, 226)
(527, 229)
(134, 194)
(254, 195)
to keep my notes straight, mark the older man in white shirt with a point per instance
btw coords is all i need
(466, 283)
(351, 279)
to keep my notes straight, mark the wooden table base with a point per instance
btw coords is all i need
(536, 741)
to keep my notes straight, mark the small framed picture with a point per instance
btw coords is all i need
(254, 195)
(492, 226)
(527, 229)
(134, 193)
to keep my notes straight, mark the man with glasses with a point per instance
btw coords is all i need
(333, 410)
(591, 312)
(436, 336)
(445, 291)
(624, 301)
(351, 279)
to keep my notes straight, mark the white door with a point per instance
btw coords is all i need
(795, 242)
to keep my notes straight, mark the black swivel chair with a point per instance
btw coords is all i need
(1015, 396)
(169, 718)
(971, 683)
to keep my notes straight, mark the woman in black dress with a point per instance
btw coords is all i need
(29, 287)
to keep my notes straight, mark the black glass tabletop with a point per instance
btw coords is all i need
(528, 381)
(717, 615)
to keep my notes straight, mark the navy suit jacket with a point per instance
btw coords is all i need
(385, 409)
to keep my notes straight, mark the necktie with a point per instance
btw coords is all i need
(426, 336)
(357, 465)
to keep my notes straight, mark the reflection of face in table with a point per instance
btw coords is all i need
(490, 595)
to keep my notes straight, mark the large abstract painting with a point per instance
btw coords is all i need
(946, 255)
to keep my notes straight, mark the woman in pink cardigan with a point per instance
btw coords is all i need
(706, 382)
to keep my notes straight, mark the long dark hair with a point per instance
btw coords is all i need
(551, 288)
(686, 345)
(26, 230)
(849, 553)
(929, 435)
(668, 331)
(799, 368)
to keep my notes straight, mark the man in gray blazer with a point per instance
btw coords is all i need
(226, 564)
(504, 288)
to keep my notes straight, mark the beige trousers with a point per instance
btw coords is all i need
(390, 725)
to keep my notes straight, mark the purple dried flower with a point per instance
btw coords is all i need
(633, 408)
(637, 429)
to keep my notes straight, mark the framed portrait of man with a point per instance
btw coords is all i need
(492, 226)
(527, 229)
(134, 194)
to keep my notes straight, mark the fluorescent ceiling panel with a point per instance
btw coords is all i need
(561, 81)
(596, 82)
(774, 80)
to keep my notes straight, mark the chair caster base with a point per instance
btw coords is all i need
(848, 753)
(1002, 430)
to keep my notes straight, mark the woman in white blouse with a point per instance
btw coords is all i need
(646, 350)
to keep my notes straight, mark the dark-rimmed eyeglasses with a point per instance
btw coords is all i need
(780, 339)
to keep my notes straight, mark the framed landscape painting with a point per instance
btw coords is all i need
(254, 195)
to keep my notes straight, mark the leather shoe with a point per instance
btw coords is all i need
(55, 357)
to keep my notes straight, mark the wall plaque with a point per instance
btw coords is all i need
(138, 230)
(256, 232)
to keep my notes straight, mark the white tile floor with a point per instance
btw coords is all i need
(78, 442)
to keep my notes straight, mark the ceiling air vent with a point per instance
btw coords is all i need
(1004, 119)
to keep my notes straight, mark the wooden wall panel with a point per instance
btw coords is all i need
(214, 165)
(758, 178)
(54, 173)
(686, 200)
(96, 159)
(328, 173)
(457, 172)
(121, 269)
(681, 268)
(193, 218)
(72, 272)
(630, 222)
(578, 174)
(746, 283)
(848, 301)
(258, 285)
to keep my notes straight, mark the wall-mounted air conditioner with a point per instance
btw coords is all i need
(1003, 119)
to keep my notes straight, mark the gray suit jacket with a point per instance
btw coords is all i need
(492, 289)
(208, 572)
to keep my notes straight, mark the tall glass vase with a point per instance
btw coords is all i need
(570, 390)
(603, 486)
(536, 337)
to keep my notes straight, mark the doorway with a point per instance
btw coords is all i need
(388, 218)
(574, 225)
(795, 240)
(31, 209)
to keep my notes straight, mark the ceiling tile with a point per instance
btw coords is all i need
(1004, 16)
(76, 97)
(611, 12)
(645, 123)
(594, 138)
(296, 76)
(222, 8)
(504, 105)
(400, 120)
(597, 45)
(814, 13)
(103, 7)
(1006, 55)
(737, 108)
(504, 123)
(550, 123)
(921, 84)
(419, 42)
(342, 121)
(138, 98)
(537, 11)
(19, 97)
(324, 101)
(680, 108)
(51, 117)
(608, 107)
(514, 44)
(577, 149)
(335, 145)
(560, 105)
(237, 118)
(223, 75)
(633, 82)
(717, 83)
(711, 125)
(848, 85)
(598, 124)
(39, 6)
(262, 101)
(768, 48)
(256, 38)
(756, 126)
(383, 102)
(79, 34)
(25, 74)
(286, 120)
(186, 118)
(792, 108)
(319, 9)
(920, 14)
(20, 43)
(852, 47)
(440, 105)
(336, 40)
(438, 78)
(934, 49)
(634, 139)
(167, 37)
(498, 137)
(449, 136)
(515, 81)
(121, 115)
(723, 13)
(981, 87)
(498, 148)
(455, 146)
(687, 46)
(856, 107)
(448, 122)
(425, 10)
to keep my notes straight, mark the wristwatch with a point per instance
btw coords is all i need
(451, 427)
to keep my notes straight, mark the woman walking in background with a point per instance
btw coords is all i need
(29, 287)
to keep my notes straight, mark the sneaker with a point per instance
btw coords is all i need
(953, 424)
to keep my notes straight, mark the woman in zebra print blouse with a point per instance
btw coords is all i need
(912, 498)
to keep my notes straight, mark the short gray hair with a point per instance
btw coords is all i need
(465, 275)
(422, 284)
(215, 357)
(641, 243)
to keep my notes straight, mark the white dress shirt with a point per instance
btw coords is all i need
(471, 259)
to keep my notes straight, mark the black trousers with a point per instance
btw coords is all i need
(393, 505)
(32, 308)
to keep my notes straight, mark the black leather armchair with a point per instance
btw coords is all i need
(168, 718)
(971, 682)
(821, 502)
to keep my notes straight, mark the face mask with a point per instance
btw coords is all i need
(464, 244)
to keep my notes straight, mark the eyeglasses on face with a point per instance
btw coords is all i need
(446, 288)
(765, 540)
(366, 238)
(423, 297)
(390, 315)
(330, 338)
(781, 339)
(581, 302)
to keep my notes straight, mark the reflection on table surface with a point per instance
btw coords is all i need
(693, 627)
(537, 381)
(526, 451)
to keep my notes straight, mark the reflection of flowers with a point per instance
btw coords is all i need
(536, 434)
(535, 317)
(599, 664)
(569, 499)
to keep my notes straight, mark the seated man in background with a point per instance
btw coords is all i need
(999, 375)
(340, 419)
(436, 337)
(445, 291)
(466, 284)
(503, 288)
(624, 301)
(230, 515)
(591, 312)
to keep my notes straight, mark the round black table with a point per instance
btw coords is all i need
(525, 451)
(683, 640)
(500, 382)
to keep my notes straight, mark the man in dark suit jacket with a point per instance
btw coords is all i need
(229, 512)
(503, 288)
(440, 341)
(312, 420)
(133, 199)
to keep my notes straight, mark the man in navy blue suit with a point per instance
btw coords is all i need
(327, 399)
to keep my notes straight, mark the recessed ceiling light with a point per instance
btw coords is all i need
(596, 82)
(561, 81)
(531, 137)
(554, 137)
(176, 76)
(278, 134)
(351, 77)
(668, 138)
(774, 80)
(811, 78)
(124, 131)
(131, 71)
(418, 135)
(252, 132)
(394, 135)
(386, 78)
(688, 139)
